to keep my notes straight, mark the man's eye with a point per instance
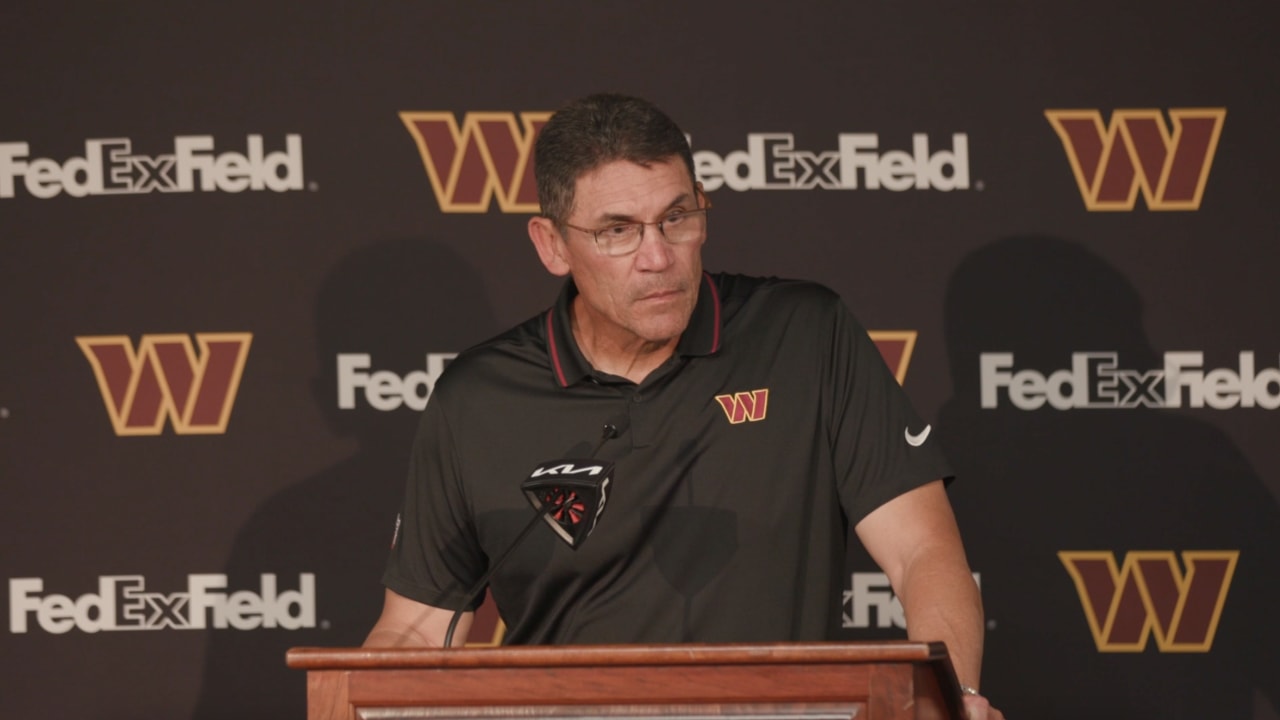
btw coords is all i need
(675, 218)
(616, 231)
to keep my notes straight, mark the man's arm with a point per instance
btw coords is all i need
(914, 539)
(409, 623)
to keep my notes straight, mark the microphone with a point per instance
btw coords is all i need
(569, 494)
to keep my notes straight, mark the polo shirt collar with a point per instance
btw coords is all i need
(569, 366)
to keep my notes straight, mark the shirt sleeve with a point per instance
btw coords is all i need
(435, 557)
(881, 447)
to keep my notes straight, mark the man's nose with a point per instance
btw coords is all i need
(654, 253)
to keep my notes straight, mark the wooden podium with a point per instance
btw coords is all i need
(789, 681)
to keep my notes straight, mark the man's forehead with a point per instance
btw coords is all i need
(624, 185)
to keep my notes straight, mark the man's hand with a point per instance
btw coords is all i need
(977, 707)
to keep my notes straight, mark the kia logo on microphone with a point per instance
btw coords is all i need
(567, 469)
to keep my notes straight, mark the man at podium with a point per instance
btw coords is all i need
(716, 436)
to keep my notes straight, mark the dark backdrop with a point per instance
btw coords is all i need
(169, 172)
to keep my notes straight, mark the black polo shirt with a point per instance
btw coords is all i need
(773, 428)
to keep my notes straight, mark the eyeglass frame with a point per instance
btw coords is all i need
(595, 233)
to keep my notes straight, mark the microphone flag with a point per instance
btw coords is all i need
(569, 495)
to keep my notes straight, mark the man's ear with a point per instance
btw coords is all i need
(549, 244)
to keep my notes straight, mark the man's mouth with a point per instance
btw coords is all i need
(659, 295)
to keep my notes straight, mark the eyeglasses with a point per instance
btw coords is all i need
(678, 228)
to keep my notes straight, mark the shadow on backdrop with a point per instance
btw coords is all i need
(395, 301)
(1036, 482)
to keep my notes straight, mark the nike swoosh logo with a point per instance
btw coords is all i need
(918, 439)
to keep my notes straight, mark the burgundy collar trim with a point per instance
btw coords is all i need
(568, 365)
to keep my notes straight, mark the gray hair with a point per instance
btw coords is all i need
(594, 131)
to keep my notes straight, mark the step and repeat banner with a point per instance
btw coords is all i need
(241, 241)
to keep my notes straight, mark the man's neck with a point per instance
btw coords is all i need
(631, 357)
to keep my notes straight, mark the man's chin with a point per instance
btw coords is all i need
(662, 330)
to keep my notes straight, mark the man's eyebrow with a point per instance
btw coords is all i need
(680, 199)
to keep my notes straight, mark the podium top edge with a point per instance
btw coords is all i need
(314, 658)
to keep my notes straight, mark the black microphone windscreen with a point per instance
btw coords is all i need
(616, 425)
(569, 495)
